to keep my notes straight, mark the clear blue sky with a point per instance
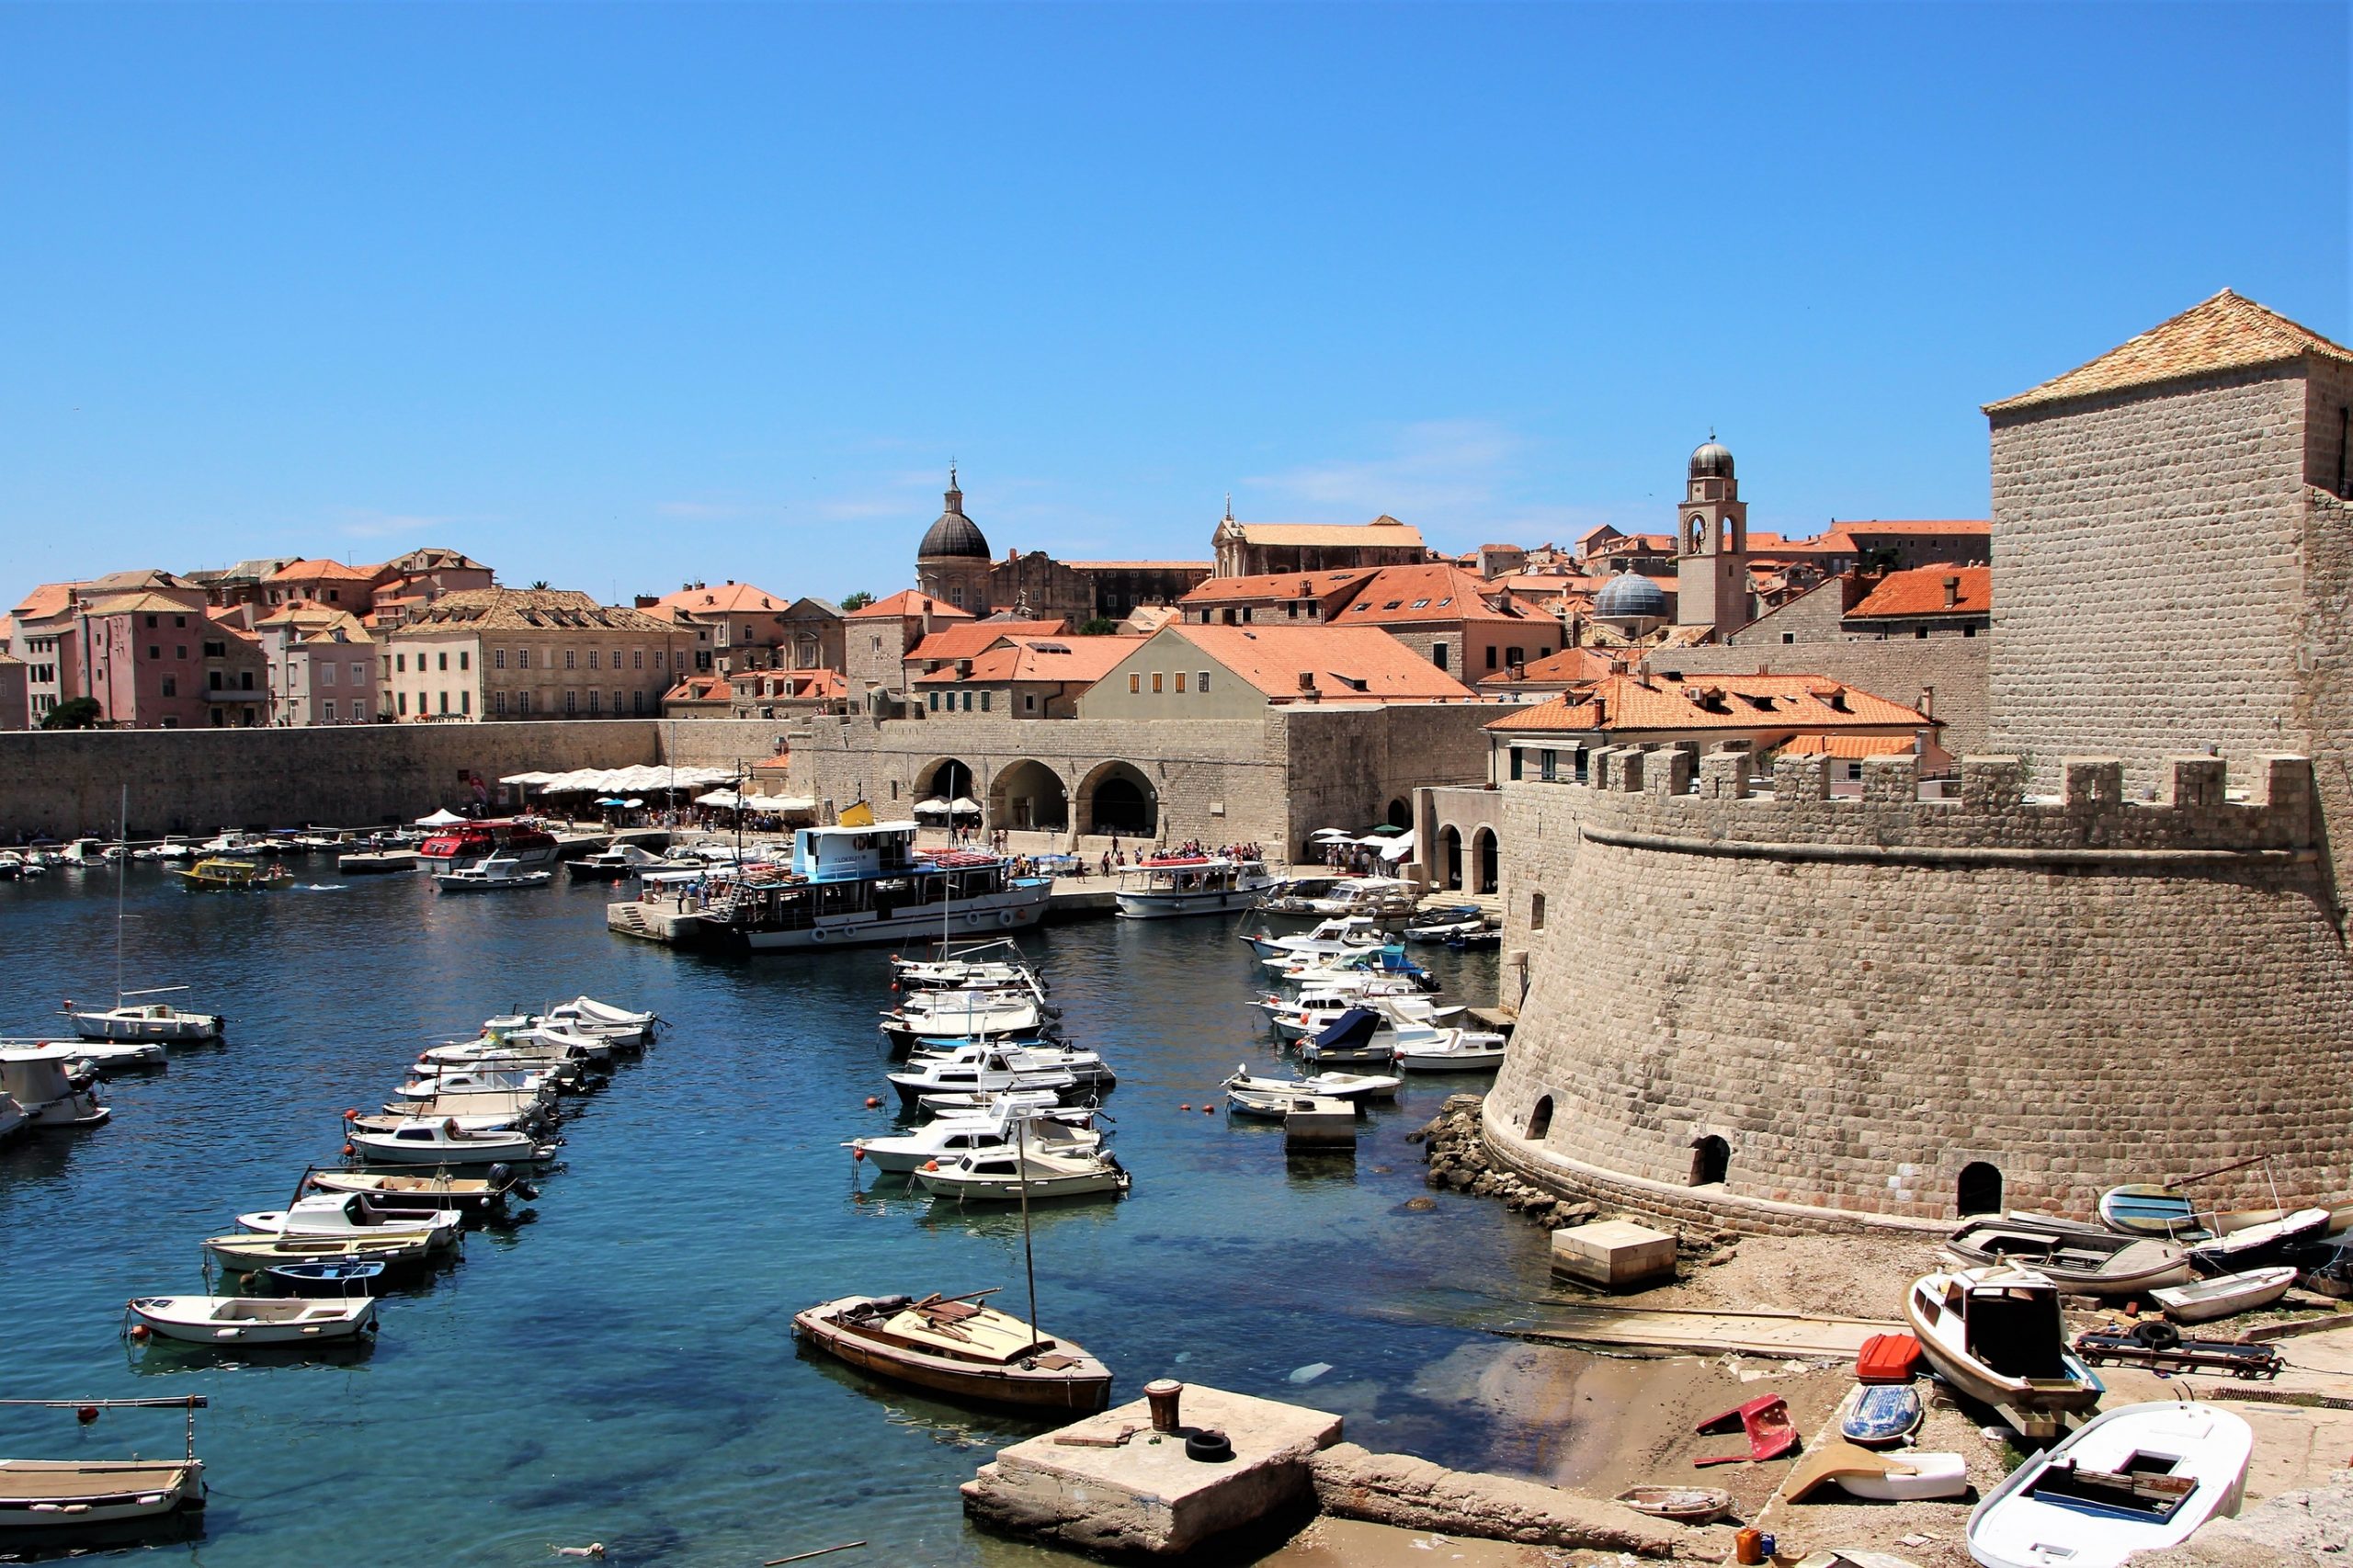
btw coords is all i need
(620, 296)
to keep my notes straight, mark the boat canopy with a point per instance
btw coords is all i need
(1352, 1030)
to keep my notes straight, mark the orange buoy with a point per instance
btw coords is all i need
(1187, 1106)
(874, 1102)
(140, 1333)
(1209, 1110)
(931, 1165)
(87, 1414)
(351, 1116)
(856, 1154)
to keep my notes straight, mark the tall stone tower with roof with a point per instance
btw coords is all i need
(1711, 545)
(952, 562)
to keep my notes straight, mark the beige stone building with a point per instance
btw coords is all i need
(529, 654)
(1239, 671)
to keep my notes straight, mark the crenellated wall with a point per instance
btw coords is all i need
(1860, 997)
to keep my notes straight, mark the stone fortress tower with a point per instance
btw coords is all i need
(1711, 545)
(952, 562)
(2119, 956)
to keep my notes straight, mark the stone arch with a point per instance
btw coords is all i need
(1028, 793)
(1488, 869)
(1711, 1161)
(1401, 814)
(945, 776)
(1979, 1189)
(1116, 797)
(1540, 1121)
(1449, 857)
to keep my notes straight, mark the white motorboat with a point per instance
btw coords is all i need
(969, 970)
(1996, 1334)
(564, 1062)
(1419, 1049)
(599, 1020)
(1343, 934)
(962, 1015)
(144, 1021)
(249, 1252)
(1359, 969)
(2234, 1249)
(443, 1079)
(1444, 925)
(423, 1141)
(239, 845)
(1031, 1177)
(964, 1103)
(1396, 1001)
(496, 873)
(254, 1320)
(1163, 886)
(1383, 898)
(119, 1056)
(49, 1098)
(2203, 1300)
(993, 1067)
(1324, 1085)
(1032, 1056)
(2136, 1479)
(1351, 1040)
(951, 1138)
(350, 1214)
(616, 861)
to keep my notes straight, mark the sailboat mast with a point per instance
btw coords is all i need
(1029, 1256)
(121, 865)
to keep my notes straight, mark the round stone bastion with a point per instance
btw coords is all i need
(1745, 1002)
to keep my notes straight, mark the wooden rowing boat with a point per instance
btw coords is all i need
(957, 1347)
(1684, 1505)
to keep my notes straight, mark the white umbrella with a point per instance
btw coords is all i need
(1329, 835)
(931, 808)
(966, 806)
(718, 798)
(632, 801)
(443, 818)
(1398, 848)
(526, 778)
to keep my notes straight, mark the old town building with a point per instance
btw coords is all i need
(529, 654)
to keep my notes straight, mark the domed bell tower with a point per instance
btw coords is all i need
(952, 562)
(1711, 550)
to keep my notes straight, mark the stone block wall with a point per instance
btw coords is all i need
(1863, 996)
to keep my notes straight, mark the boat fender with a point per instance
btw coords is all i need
(931, 1165)
(350, 1115)
(1004, 917)
(2156, 1335)
(348, 1151)
(140, 1333)
(1209, 1110)
(817, 934)
(86, 1413)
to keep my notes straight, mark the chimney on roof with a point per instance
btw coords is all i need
(1952, 593)
(1928, 701)
(1307, 680)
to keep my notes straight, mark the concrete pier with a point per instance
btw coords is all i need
(1083, 1486)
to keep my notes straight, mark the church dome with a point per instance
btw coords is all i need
(1711, 460)
(1630, 595)
(953, 534)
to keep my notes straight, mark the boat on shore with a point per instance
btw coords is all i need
(2136, 1479)
(957, 1347)
(253, 1320)
(1996, 1334)
(2203, 1300)
(2079, 1259)
(1162, 886)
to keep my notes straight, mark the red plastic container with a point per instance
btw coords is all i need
(1888, 1359)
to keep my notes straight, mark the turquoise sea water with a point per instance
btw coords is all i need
(619, 1367)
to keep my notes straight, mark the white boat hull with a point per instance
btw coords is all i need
(223, 1320)
(81, 1498)
(1016, 909)
(179, 1027)
(1167, 906)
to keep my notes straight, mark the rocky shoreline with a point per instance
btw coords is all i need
(1459, 1162)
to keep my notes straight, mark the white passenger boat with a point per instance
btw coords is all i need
(496, 874)
(1996, 1334)
(863, 884)
(445, 1142)
(354, 1214)
(1165, 885)
(48, 1495)
(2203, 1300)
(951, 1138)
(1031, 1177)
(254, 1320)
(2136, 1479)
(51, 1097)
(156, 1021)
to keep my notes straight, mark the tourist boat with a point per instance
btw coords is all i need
(599, 1020)
(499, 873)
(51, 1098)
(1324, 1085)
(518, 839)
(1440, 925)
(949, 1138)
(144, 1021)
(957, 1347)
(1996, 1334)
(2236, 1248)
(1031, 1177)
(44, 1495)
(1876, 1414)
(860, 884)
(325, 1277)
(2135, 1480)
(444, 1142)
(1418, 1049)
(1684, 1505)
(2203, 1300)
(217, 873)
(253, 1320)
(1351, 1040)
(354, 1214)
(1162, 886)
(470, 1196)
(2080, 1260)
(248, 1252)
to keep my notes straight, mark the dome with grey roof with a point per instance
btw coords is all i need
(953, 535)
(1630, 595)
(1711, 459)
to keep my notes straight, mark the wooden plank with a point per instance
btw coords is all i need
(1687, 1331)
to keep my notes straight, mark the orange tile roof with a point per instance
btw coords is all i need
(1921, 591)
(1335, 658)
(49, 599)
(1382, 533)
(1852, 748)
(1435, 591)
(1275, 586)
(1074, 660)
(699, 689)
(799, 684)
(1572, 666)
(967, 638)
(2228, 332)
(1622, 704)
(149, 602)
(321, 570)
(910, 604)
(728, 598)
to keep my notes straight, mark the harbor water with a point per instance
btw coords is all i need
(619, 1366)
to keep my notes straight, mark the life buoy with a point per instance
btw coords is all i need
(818, 935)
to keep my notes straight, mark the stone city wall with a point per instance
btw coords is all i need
(1860, 997)
(64, 782)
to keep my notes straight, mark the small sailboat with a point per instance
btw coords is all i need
(67, 1494)
(2203, 1300)
(954, 1345)
(2135, 1479)
(253, 1320)
(144, 1021)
